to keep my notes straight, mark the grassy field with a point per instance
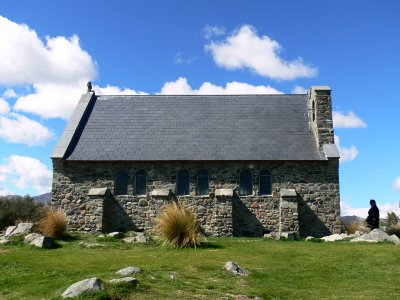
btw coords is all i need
(278, 270)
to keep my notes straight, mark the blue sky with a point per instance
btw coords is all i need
(50, 49)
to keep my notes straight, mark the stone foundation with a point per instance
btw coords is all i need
(220, 213)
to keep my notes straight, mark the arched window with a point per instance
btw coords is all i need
(265, 183)
(202, 182)
(121, 183)
(182, 187)
(246, 183)
(141, 182)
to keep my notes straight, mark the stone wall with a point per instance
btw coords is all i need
(316, 184)
(321, 119)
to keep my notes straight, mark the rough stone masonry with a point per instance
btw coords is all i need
(291, 136)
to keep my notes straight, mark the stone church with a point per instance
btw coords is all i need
(247, 164)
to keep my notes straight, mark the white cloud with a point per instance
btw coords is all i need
(26, 172)
(181, 87)
(51, 100)
(384, 208)
(4, 191)
(24, 58)
(246, 49)
(351, 120)
(4, 107)
(10, 93)
(16, 128)
(59, 100)
(57, 69)
(212, 31)
(114, 90)
(346, 154)
(179, 59)
(396, 184)
(299, 90)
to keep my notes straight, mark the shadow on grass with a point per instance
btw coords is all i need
(69, 238)
(210, 245)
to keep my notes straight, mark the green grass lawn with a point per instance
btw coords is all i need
(278, 270)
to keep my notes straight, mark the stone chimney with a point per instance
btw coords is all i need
(321, 115)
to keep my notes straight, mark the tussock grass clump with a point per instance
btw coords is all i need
(357, 226)
(177, 226)
(54, 224)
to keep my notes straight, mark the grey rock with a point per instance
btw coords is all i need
(90, 245)
(128, 271)
(3, 241)
(87, 285)
(116, 234)
(9, 230)
(235, 269)
(374, 236)
(38, 240)
(268, 236)
(143, 202)
(130, 280)
(289, 235)
(333, 238)
(309, 238)
(22, 228)
(139, 237)
(32, 236)
(394, 239)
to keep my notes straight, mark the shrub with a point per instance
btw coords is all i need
(54, 224)
(394, 229)
(18, 208)
(392, 219)
(177, 226)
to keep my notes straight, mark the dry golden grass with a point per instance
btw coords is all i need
(357, 226)
(177, 226)
(54, 224)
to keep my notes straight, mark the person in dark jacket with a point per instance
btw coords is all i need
(373, 215)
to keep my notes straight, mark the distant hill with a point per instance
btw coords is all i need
(43, 198)
(347, 220)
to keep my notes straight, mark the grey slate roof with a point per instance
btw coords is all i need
(228, 127)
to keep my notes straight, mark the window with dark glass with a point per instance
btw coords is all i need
(265, 183)
(246, 183)
(121, 183)
(141, 182)
(183, 183)
(202, 182)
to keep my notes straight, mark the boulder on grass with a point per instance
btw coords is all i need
(137, 237)
(38, 240)
(374, 236)
(128, 271)
(3, 241)
(235, 269)
(22, 228)
(116, 234)
(131, 280)
(333, 238)
(87, 285)
(394, 239)
(9, 230)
